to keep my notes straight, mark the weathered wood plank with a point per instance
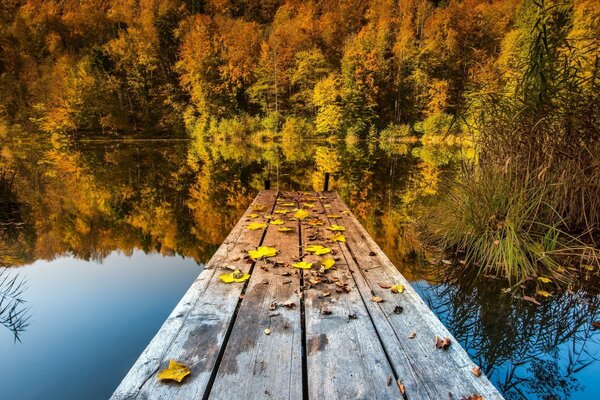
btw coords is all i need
(345, 359)
(256, 364)
(426, 372)
(195, 330)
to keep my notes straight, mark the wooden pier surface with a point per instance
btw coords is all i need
(293, 333)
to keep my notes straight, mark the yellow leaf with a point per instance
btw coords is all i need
(288, 205)
(543, 293)
(308, 205)
(339, 238)
(328, 263)
(252, 215)
(285, 229)
(276, 222)
(376, 299)
(175, 372)
(397, 288)
(301, 214)
(258, 207)
(302, 265)
(256, 225)
(543, 279)
(334, 216)
(262, 251)
(317, 249)
(336, 228)
(327, 206)
(316, 222)
(236, 276)
(589, 267)
(281, 211)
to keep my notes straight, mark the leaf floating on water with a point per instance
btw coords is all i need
(531, 300)
(543, 279)
(336, 228)
(543, 293)
(377, 299)
(339, 238)
(596, 324)
(476, 371)
(302, 265)
(442, 343)
(236, 276)
(256, 226)
(397, 288)
(328, 263)
(317, 249)
(285, 229)
(262, 251)
(276, 222)
(175, 372)
(301, 214)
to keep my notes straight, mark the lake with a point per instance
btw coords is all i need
(105, 236)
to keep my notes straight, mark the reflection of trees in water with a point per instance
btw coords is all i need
(529, 352)
(14, 315)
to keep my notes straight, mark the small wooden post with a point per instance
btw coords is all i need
(326, 184)
(267, 184)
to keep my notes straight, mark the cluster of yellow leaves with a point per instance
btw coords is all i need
(175, 372)
(317, 249)
(262, 252)
(256, 225)
(236, 276)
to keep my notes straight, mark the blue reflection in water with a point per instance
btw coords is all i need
(89, 323)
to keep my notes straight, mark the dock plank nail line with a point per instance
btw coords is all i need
(249, 341)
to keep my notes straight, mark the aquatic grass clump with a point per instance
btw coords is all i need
(506, 226)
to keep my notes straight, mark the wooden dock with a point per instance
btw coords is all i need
(293, 333)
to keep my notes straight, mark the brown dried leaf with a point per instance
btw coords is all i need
(476, 371)
(384, 285)
(377, 299)
(401, 387)
(442, 342)
(412, 335)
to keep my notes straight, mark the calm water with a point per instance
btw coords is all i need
(106, 236)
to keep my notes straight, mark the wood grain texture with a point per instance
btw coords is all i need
(195, 330)
(345, 359)
(426, 372)
(256, 364)
(336, 343)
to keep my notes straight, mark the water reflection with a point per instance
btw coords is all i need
(14, 314)
(181, 198)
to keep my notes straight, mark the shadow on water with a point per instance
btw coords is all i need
(528, 351)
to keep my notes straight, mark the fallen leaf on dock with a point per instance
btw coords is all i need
(384, 285)
(256, 226)
(288, 205)
(442, 343)
(317, 249)
(398, 310)
(334, 216)
(476, 371)
(301, 214)
(401, 387)
(328, 263)
(412, 335)
(236, 276)
(175, 372)
(377, 299)
(472, 397)
(397, 288)
(339, 238)
(268, 331)
(276, 222)
(281, 211)
(302, 265)
(252, 215)
(285, 229)
(336, 228)
(262, 252)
